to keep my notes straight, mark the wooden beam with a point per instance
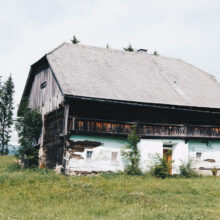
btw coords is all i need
(65, 121)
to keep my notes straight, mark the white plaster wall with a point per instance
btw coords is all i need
(181, 152)
(179, 155)
(148, 150)
(208, 152)
(101, 157)
(101, 161)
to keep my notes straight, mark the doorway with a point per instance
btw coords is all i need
(167, 154)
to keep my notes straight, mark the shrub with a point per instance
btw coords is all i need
(214, 171)
(28, 155)
(187, 171)
(161, 167)
(132, 154)
(132, 170)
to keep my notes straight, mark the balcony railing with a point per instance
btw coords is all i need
(150, 130)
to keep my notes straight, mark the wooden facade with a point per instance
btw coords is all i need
(44, 92)
(96, 117)
(53, 140)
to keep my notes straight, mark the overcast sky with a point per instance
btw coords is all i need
(186, 29)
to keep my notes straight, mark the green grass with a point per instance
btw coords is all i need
(41, 194)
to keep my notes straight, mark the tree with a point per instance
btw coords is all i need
(75, 40)
(132, 154)
(107, 46)
(28, 126)
(129, 48)
(6, 114)
(156, 53)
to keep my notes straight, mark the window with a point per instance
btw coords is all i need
(198, 155)
(88, 154)
(43, 84)
(114, 156)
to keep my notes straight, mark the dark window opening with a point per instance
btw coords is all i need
(89, 154)
(43, 85)
(198, 155)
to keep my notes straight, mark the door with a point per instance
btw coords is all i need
(167, 154)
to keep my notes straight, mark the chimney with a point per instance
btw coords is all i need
(142, 50)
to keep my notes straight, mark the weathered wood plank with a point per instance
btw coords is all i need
(45, 93)
(65, 121)
(53, 143)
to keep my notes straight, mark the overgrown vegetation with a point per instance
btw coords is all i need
(187, 171)
(28, 126)
(132, 154)
(41, 194)
(161, 167)
(6, 113)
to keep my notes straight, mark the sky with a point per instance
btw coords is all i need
(186, 29)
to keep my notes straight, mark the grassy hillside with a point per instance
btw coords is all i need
(41, 194)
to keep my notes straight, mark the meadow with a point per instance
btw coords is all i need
(42, 194)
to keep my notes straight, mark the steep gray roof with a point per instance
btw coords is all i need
(131, 76)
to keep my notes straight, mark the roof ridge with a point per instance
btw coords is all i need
(117, 50)
(109, 50)
(103, 48)
(56, 48)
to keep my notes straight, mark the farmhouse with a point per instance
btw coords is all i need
(90, 97)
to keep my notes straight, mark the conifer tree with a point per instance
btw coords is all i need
(129, 48)
(6, 114)
(75, 40)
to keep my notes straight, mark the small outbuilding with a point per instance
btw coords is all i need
(90, 97)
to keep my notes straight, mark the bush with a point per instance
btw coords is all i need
(214, 171)
(28, 155)
(132, 170)
(161, 168)
(187, 171)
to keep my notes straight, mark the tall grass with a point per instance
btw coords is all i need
(41, 194)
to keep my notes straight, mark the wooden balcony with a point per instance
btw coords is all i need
(145, 130)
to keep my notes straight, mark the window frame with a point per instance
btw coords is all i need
(89, 154)
(115, 157)
(200, 157)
